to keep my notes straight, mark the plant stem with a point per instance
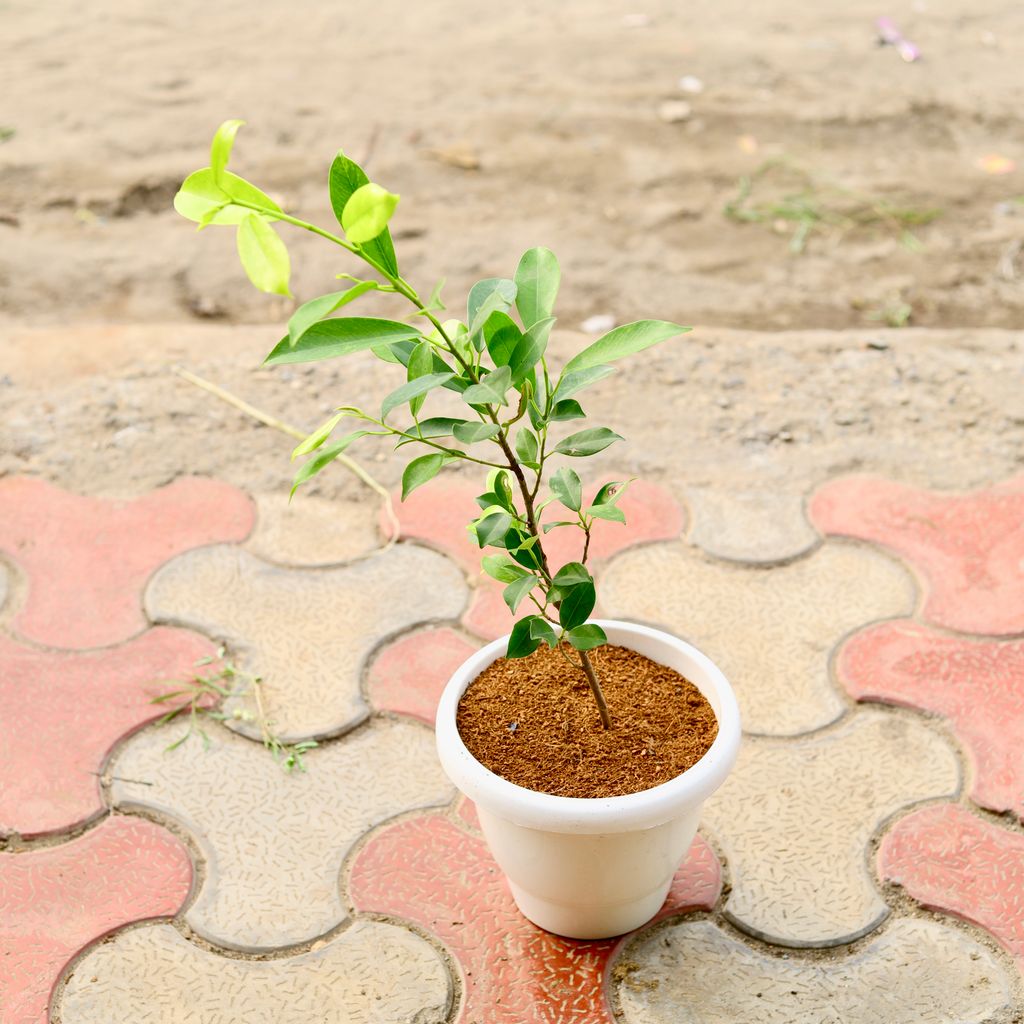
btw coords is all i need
(595, 688)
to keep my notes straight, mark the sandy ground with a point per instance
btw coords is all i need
(561, 110)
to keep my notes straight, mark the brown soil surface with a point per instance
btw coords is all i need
(534, 722)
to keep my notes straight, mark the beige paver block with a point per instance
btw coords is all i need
(750, 526)
(795, 818)
(306, 632)
(314, 531)
(770, 630)
(4, 587)
(274, 841)
(918, 972)
(370, 974)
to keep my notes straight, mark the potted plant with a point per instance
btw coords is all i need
(587, 746)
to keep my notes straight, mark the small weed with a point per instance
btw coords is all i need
(894, 314)
(7, 132)
(202, 696)
(800, 205)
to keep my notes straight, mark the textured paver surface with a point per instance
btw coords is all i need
(771, 632)
(306, 632)
(849, 871)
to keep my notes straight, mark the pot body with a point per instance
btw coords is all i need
(593, 868)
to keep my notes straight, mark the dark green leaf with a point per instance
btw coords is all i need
(316, 309)
(515, 593)
(536, 416)
(412, 389)
(470, 432)
(586, 637)
(577, 604)
(436, 426)
(492, 529)
(609, 493)
(491, 389)
(624, 341)
(572, 574)
(537, 280)
(567, 409)
(541, 629)
(548, 527)
(327, 456)
(567, 487)
(346, 176)
(421, 363)
(501, 335)
(527, 447)
(529, 350)
(577, 380)
(420, 470)
(493, 293)
(340, 337)
(521, 641)
(502, 568)
(587, 442)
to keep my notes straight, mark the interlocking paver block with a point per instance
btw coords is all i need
(795, 817)
(55, 901)
(372, 973)
(313, 531)
(306, 632)
(63, 711)
(977, 684)
(770, 631)
(434, 873)
(749, 526)
(968, 547)
(409, 675)
(918, 972)
(952, 861)
(438, 516)
(87, 559)
(274, 841)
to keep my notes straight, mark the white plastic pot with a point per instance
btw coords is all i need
(593, 868)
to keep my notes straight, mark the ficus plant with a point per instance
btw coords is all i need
(515, 405)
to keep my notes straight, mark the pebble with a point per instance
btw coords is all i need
(674, 111)
(691, 84)
(598, 323)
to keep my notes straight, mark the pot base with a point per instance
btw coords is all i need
(601, 921)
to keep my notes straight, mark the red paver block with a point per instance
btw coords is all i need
(430, 871)
(63, 711)
(952, 861)
(56, 901)
(409, 675)
(87, 559)
(438, 516)
(977, 684)
(969, 548)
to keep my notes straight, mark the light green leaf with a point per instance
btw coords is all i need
(537, 280)
(434, 304)
(567, 487)
(610, 512)
(203, 200)
(624, 341)
(521, 641)
(263, 255)
(527, 447)
(502, 568)
(586, 637)
(367, 213)
(491, 389)
(323, 305)
(340, 337)
(515, 593)
(587, 442)
(548, 527)
(577, 380)
(469, 433)
(567, 409)
(325, 458)
(486, 297)
(318, 436)
(610, 492)
(412, 389)
(501, 336)
(220, 148)
(345, 178)
(420, 470)
(529, 350)
(421, 363)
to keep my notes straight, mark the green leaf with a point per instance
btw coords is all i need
(263, 255)
(340, 337)
(323, 305)
(548, 527)
(572, 574)
(567, 409)
(624, 341)
(529, 350)
(586, 637)
(536, 416)
(412, 389)
(491, 389)
(326, 457)
(521, 641)
(515, 593)
(486, 297)
(577, 604)
(469, 432)
(609, 512)
(502, 568)
(434, 304)
(570, 383)
(345, 178)
(537, 280)
(541, 629)
(420, 470)
(587, 442)
(421, 363)
(318, 436)
(203, 199)
(567, 487)
(220, 148)
(501, 336)
(610, 492)
(528, 447)
(493, 528)
(367, 212)
(436, 426)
